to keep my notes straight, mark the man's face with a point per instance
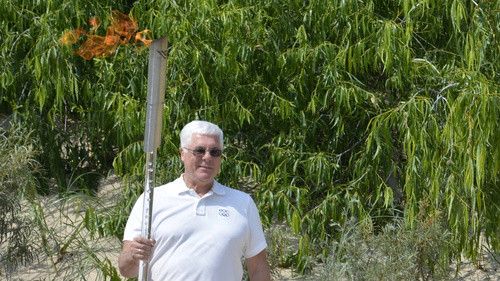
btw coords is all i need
(201, 169)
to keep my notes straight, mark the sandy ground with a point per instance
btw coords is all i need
(79, 260)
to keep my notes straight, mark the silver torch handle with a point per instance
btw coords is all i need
(152, 135)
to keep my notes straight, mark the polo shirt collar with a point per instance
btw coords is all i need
(217, 188)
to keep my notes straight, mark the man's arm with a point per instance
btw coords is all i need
(134, 251)
(258, 268)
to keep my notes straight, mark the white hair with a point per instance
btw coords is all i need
(200, 128)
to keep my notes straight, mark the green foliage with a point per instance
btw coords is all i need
(331, 109)
(76, 109)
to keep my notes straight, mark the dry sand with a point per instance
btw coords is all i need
(77, 264)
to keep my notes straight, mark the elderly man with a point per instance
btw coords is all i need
(201, 228)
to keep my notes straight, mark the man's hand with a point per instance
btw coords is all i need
(142, 248)
(134, 251)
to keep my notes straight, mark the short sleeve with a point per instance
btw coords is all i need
(134, 222)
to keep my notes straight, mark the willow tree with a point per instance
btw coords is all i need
(331, 109)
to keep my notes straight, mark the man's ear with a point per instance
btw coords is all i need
(181, 151)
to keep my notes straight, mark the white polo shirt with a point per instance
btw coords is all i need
(199, 238)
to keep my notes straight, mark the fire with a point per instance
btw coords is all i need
(121, 31)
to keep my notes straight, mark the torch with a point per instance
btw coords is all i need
(156, 91)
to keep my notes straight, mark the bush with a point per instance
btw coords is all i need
(396, 253)
(17, 181)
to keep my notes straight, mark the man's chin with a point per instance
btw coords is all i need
(205, 174)
(205, 170)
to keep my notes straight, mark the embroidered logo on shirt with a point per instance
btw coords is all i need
(223, 213)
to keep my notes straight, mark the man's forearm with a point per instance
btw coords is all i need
(262, 275)
(258, 268)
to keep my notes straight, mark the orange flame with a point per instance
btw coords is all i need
(121, 31)
(72, 36)
(94, 22)
(144, 37)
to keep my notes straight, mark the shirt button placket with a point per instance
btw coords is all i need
(200, 207)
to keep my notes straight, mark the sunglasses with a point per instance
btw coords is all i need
(200, 152)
